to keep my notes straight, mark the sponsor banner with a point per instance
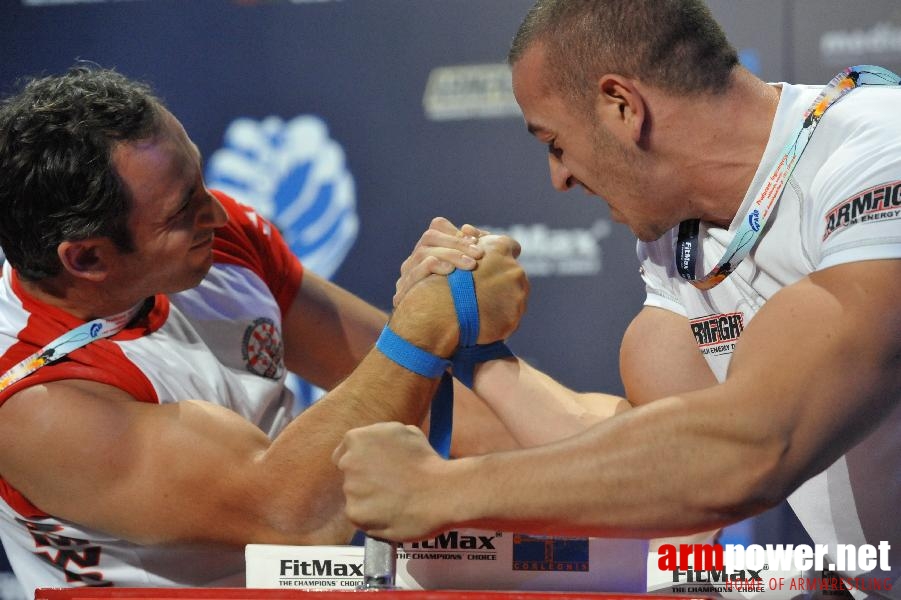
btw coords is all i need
(548, 252)
(59, 2)
(460, 92)
(462, 559)
(877, 42)
(776, 570)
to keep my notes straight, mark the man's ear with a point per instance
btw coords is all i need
(85, 258)
(622, 107)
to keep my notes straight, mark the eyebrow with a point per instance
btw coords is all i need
(191, 189)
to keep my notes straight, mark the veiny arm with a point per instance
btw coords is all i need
(196, 472)
(788, 409)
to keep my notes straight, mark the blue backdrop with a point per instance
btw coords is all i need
(352, 123)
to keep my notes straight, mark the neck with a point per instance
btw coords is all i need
(716, 155)
(85, 302)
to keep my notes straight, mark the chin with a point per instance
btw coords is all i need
(648, 235)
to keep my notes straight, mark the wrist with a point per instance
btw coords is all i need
(426, 318)
(457, 492)
(411, 357)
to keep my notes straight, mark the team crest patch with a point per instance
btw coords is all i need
(262, 349)
(879, 203)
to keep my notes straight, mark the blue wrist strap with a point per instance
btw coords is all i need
(463, 362)
(409, 356)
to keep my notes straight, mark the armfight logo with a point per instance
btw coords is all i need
(879, 203)
(717, 334)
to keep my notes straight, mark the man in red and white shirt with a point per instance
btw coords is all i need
(151, 457)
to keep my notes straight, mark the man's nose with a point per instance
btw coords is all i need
(561, 177)
(213, 214)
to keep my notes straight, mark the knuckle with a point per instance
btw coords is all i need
(430, 238)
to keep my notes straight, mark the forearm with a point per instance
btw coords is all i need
(378, 390)
(305, 487)
(638, 475)
(535, 408)
(477, 429)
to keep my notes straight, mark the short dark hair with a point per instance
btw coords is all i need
(675, 45)
(57, 182)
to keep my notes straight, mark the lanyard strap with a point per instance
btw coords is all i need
(751, 226)
(70, 341)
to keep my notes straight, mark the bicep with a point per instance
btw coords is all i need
(823, 360)
(659, 357)
(90, 454)
(327, 331)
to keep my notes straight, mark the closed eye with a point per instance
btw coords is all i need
(553, 150)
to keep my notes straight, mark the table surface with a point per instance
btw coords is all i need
(264, 594)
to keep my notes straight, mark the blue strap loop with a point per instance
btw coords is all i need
(409, 356)
(467, 355)
(463, 362)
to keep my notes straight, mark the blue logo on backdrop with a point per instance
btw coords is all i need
(295, 175)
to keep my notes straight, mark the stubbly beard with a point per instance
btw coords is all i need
(623, 171)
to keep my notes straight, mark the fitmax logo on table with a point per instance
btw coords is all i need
(452, 545)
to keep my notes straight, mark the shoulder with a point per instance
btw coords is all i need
(251, 241)
(853, 196)
(51, 422)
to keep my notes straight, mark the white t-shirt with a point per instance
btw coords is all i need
(842, 204)
(219, 342)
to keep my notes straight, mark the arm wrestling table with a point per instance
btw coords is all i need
(268, 594)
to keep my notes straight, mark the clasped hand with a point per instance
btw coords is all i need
(502, 288)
